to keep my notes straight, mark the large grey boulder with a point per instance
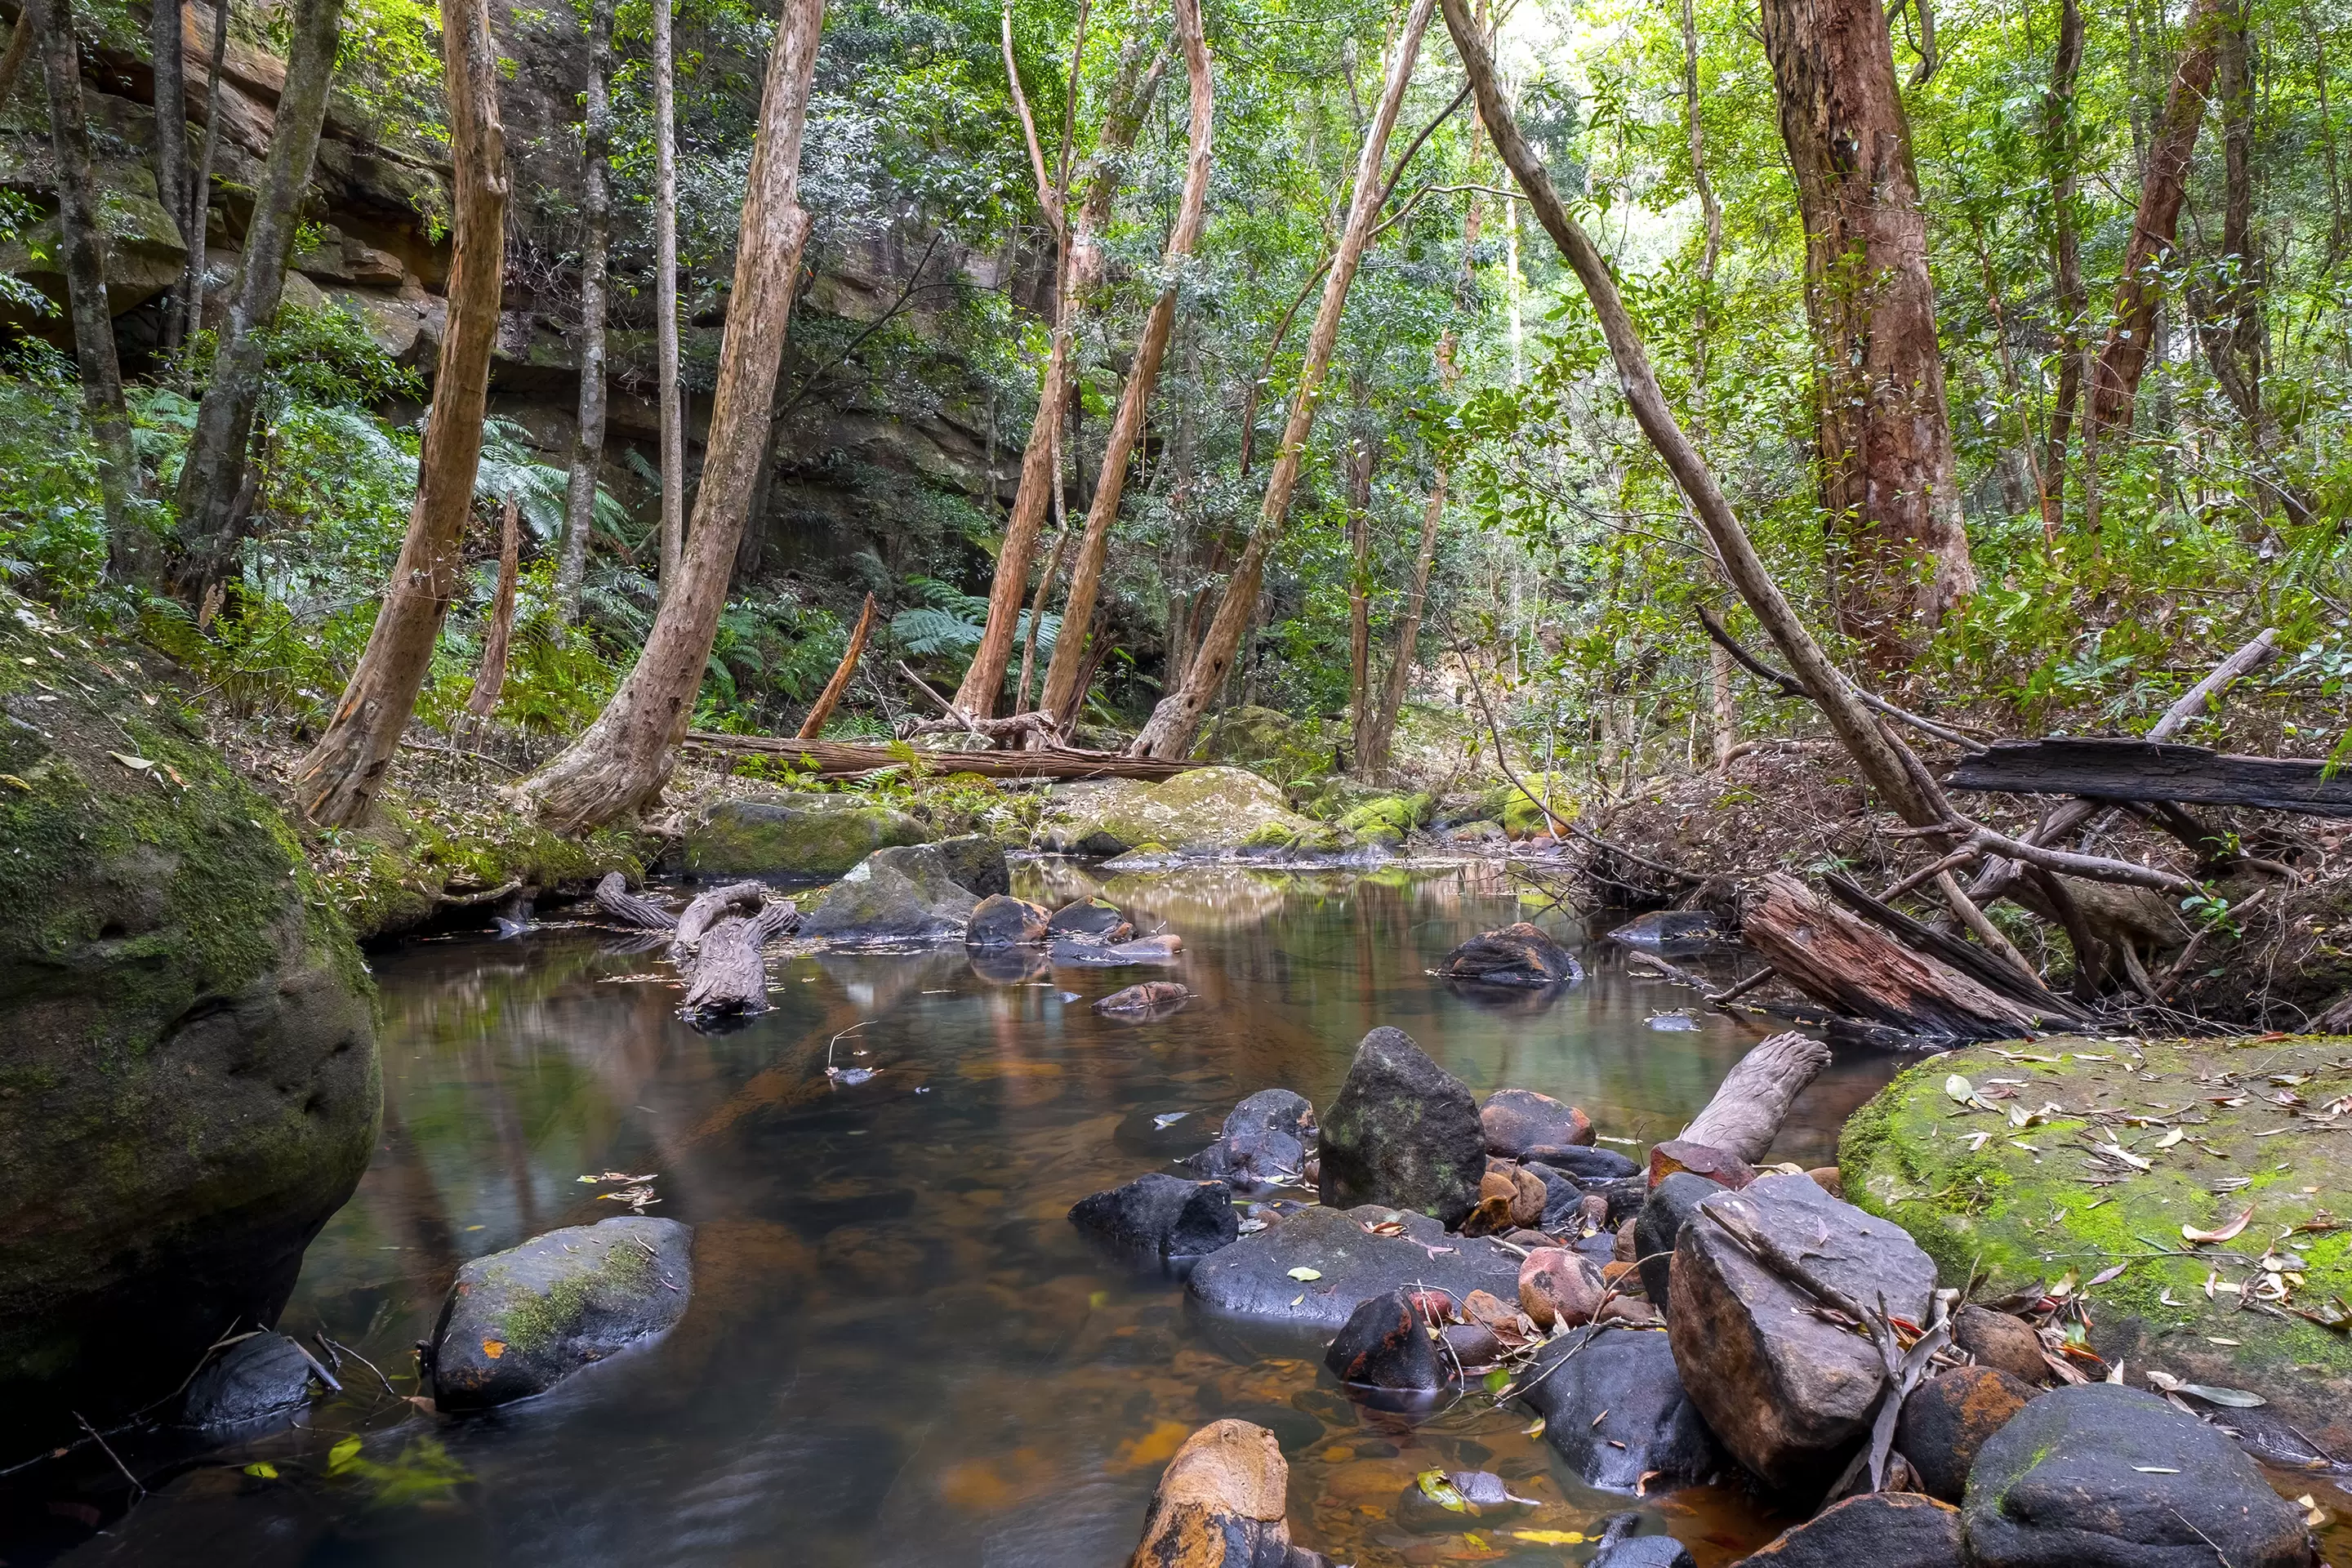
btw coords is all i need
(802, 835)
(893, 895)
(1352, 1262)
(1664, 1212)
(518, 1322)
(2101, 1475)
(1615, 1410)
(1790, 1393)
(976, 864)
(1403, 1133)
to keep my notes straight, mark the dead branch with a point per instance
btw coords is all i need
(1754, 1098)
(827, 700)
(1791, 688)
(612, 896)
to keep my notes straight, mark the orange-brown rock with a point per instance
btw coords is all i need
(1561, 1288)
(1221, 1505)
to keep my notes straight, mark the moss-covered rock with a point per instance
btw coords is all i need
(1201, 811)
(189, 1086)
(417, 853)
(1518, 810)
(802, 835)
(2035, 1202)
(518, 1321)
(1270, 743)
(1388, 818)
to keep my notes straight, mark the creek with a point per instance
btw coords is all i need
(899, 1350)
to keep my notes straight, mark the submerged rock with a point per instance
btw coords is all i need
(904, 894)
(1096, 919)
(1614, 1409)
(1670, 930)
(1519, 1120)
(1459, 1499)
(1622, 1548)
(1787, 1392)
(1520, 954)
(1254, 1277)
(2100, 1476)
(1876, 1530)
(1949, 1418)
(1403, 1133)
(1220, 1504)
(1151, 999)
(1164, 1214)
(518, 1322)
(191, 1084)
(253, 1380)
(1003, 921)
(1079, 953)
(1387, 1343)
(801, 836)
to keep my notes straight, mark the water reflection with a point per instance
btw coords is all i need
(898, 1351)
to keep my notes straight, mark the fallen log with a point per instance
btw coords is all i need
(842, 759)
(1754, 1098)
(708, 909)
(1974, 961)
(726, 974)
(1841, 962)
(613, 896)
(2123, 770)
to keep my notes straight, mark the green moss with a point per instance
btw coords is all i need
(391, 876)
(536, 1319)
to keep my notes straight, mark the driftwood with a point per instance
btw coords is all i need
(839, 759)
(2121, 770)
(1844, 963)
(708, 909)
(1746, 1111)
(613, 896)
(2023, 988)
(826, 700)
(714, 944)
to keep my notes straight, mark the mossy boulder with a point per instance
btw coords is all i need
(1270, 743)
(190, 1085)
(1518, 809)
(420, 851)
(1388, 818)
(1201, 811)
(2223, 1125)
(801, 834)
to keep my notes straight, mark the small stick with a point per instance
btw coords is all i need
(365, 1363)
(107, 1450)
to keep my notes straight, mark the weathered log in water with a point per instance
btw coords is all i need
(613, 896)
(1844, 963)
(1749, 1107)
(708, 909)
(726, 974)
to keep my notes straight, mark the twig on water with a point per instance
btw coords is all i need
(108, 1450)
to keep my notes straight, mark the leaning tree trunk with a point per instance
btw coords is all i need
(85, 259)
(1080, 268)
(1363, 458)
(673, 424)
(188, 304)
(1886, 466)
(337, 783)
(2115, 379)
(625, 756)
(20, 50)
(167, 42)
(211, 479)
(596, 222)
(2058, 154)
(1173, 723)
(1375, 754)
(491, 678)
(1065, 683)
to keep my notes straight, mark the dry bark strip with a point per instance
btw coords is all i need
(1754, 1098)
(1844, 965)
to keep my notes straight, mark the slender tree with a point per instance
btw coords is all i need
(490, 678)
(2060, 161)
(1374, 752)
(337, 783)
(2114, 378)
(621, 761)
(1177, 719)
(595, 223)
(1886, 466)
(19, 51)
(1363, 461)
(86, 302)
(1064, 682)
(166, 40)
(1078, 240)
(211, 479)
(672, 414)
(188, 303)
(1725, 708)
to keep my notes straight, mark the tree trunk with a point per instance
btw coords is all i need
(2115, 379)
(830, 697)
(1887, 486)
(1064, 691)
(1844, 963)
(1177, 719)
(166, 41)
(624, 758)
(1036, 619)
(491, 678)
(673, 424)
(2229, 310)
(1755, 1096)
(337, 783)
(188, 304)
(1130, 97)
(1416, 600)
(20, 50)
(85, 269)
(1363, 456)
(1889, 769)
(596, 222)
(2058, 152)
(212, 476)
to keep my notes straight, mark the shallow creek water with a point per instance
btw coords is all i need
(899, 1350)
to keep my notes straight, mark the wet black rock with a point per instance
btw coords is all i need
(1252, 1159)
(976, 865)
(1876, 1530)
(1403, 1132)
(2101, 1475)
(520, 1321)
(1664, 1212)
(1252, 1279)
(1620, 1548)
(253, 1380)
(1000, 920)
(1385, 1344)
(1161, 1215)
(1647, 1422)
(892, 895)
(1947, 1418)
(1563, 1199)
(1586, 1164)
(1097, 919)
(1273, 1110)
(1459, 1501)
(1518, 955)
(1520, 1120)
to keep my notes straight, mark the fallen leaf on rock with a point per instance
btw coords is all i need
(494, 1348)
(262, 1468)
(1550, 1537)
(2222, 1232)
(1305, 1273)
